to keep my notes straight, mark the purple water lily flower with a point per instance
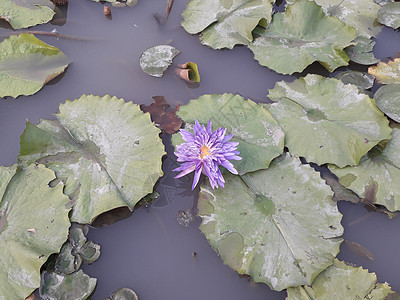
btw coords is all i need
(204, 151)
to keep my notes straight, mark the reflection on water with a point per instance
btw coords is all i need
(149, 251)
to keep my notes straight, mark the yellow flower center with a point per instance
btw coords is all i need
(204, 151)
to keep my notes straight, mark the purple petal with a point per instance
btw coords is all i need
(196, 177)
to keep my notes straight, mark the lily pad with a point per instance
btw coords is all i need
(77, 285)
(387, 99)
(26, 64)
(342, 281)
(326, 121)
(119, 3)
(124, 294)
(362, 53)
(389, 15)
(259, 135)
(290, 44)
(156, 60)
(107, 152)
(23, 14)
(377, 176)
(261, 224)
(386, 73)
(225, 23)
(362, 80)
(33, 224)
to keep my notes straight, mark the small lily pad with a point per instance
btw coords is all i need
(124, 294)
(389, 15)
(386, 73)
(387, 99)
(119, 3)
(362, 80)
(362, 53)
(156, 60)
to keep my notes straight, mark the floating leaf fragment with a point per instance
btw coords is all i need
(27, 63)
(326, 121)
(33, 224)
(259, 135)
(362, 53)
(389, 15)
(107, 152)
(156, 60)
(189, 72)
(386, 73)
(260, 223)
(225, 24)
(167, 120)
(290, 44)
(119, 3)
(342, 281)
(377, 176)
(23, 14)
(387, 99)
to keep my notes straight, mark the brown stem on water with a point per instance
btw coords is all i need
(55, 34)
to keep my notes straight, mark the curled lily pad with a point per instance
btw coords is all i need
(277, 225)
(362, 53)
(225, 23)
(189, 72)
(33, 224)
(326, 121)
(389, 15)
(156, 60)
(23, 14)
(107, 152)
(290, 44)
(259, 135)
(26, 64)
(387, 98)
(342, 281)
(77, 285)
(377, 176)
(387, 73)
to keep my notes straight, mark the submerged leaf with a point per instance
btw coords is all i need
(33, 224)
(387, 99)
(386, 73)
(124, 294)
(261, 224)
(156, 60)
(26, 64)
(362, 53)
(107, 152)
(23, 14)
(362, 80)
(326, 121)
(290, 44)
(377, 177)
(341, 281)
(389, 15)
(259, 135)
(225, 23)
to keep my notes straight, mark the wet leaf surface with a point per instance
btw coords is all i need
(362, 53)
(156, 60)
(387, 99)
(387, 73)
(389, 15)
(107, 152)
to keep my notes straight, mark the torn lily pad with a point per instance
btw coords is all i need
(326, 121)
(290, 44)
(387, 73)
(33, 224)
(389, 15)
(387, 99)
(342, 281)
(259, 135)
(260, 223)
(225, 24)
(23, 14)
(377, 176)
(27, 63)
(156, 60)
(362, 53)
(107, 152)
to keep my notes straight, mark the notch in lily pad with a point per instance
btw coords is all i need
(156, 60)
(189, 72)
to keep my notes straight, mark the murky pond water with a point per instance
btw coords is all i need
(149, 251)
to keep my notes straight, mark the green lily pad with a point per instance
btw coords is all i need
(362, 53)
(261, 224)
(26, 64)
(290, 44)
(156, 60)
(387, 99)
(259, 135)
(377, 176)
(124, 294)
(107, 152)
(67, 262)
(77, 285)
(326, 121)
(386, 73)
(33, 224)
(389, 15)
(359, 14)
(23, 14)
(225, 23)
(362, 80)
(342, 281)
